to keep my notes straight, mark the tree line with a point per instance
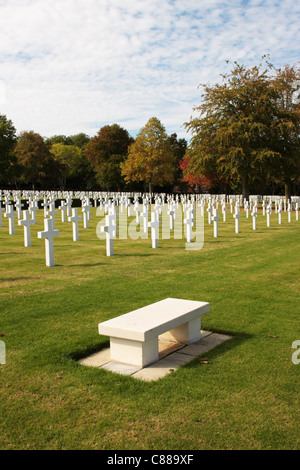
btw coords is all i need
(245, 138)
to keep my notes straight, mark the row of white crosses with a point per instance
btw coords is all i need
(111, 219)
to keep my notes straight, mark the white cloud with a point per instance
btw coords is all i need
(71, 66)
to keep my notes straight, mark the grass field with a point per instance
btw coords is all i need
(245, 397)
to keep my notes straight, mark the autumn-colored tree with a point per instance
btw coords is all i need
(107, 150)
(179, 147)
(195, 181)
(38, 166)
(150, 157)
(238, 128)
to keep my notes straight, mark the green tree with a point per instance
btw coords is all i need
(107, 150)
(150, 157)
(80, 140)
(8, 163)
(237, 131)
(287, 129)
(58, 139)
(68, 159)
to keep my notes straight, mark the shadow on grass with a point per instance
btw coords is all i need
(86, 265)
(125, 255)
(234, 341)
(82, 353)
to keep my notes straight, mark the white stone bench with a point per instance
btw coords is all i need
(134, 336)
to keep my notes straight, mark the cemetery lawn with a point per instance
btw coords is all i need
(245, 395)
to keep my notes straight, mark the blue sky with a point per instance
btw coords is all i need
(70, 66)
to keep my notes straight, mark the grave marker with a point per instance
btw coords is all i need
(75, 219)
(279, 212)
(63, 207)
(268, 212)
(145, 215)
(224, 210)
(32, 210)
(10, 214)
(154, 224)
(215, 218)
(26, 222)
(289, 211)
(254, 215)
(48, 234)
(189, 223)
(237, 216)
(51, 211)
(19, 205)
(109, 230)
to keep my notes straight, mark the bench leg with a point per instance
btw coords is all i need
(187, 333)
(134, 352)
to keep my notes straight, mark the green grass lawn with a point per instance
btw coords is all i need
(245, 397)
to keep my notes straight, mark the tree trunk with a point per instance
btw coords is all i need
(150, 187)
(287, 191)
(245, 189)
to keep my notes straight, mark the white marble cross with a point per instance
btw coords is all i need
(26, 222)
(237, 216)
(215, 218)
(209, 210)
(137, 211)
(224, 210)
(45, 206)
(113, 212)
(254, 215)
(129, 208)
(63, 207)
(10, 214)
(51, 211)
(279, 212)
(32, 210)
(85, 210)
(189, 224)
(88, 205)
(19, 207)
(145, 215)
(296, 211)
(246, 206)
(48, 234)
(75, 219)
(172, 213)
(154, 224)
(202, 206)
(109, 229)
(69, 205)
(289, 211)
(268, 212)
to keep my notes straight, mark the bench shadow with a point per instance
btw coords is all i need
(235, 340)
(83, 353)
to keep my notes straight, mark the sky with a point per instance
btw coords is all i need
(71, 66)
